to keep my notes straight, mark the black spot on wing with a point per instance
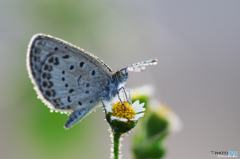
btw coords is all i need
(71, 90)
(81, 64)
(65, 56)
(93, 72)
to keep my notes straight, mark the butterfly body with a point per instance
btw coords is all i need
(68, 78)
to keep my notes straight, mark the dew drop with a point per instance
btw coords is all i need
(51, 110)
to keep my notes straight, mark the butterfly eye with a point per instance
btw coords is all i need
(120, 76)
(122, 73)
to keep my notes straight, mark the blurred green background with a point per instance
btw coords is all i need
(196, 42)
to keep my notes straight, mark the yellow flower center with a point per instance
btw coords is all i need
(121, 112)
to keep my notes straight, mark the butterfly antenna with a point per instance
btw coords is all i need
(138, 67)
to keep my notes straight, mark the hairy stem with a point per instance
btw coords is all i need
(116, 145)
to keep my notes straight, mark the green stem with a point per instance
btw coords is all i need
(116, 143)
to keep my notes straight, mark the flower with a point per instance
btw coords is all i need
(143, 93)
(164, 112)
(130, 113)
(122, 115)
(159, 122)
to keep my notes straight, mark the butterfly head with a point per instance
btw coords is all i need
(122, 75)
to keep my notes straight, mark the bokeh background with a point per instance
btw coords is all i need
(198, 75)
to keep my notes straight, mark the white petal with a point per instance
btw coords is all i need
(107, 106)
(175, 123)
(138, 107)
(141, 105)
(135, 104)
(137, 116)
(114, 100)
(120, 119)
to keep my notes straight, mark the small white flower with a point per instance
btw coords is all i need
(164, 111)
(120, 113)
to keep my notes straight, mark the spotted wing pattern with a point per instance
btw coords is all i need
(66, 77)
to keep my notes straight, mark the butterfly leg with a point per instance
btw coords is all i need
(125, 95)
(103, 106)
(121, 101)
(124, 90)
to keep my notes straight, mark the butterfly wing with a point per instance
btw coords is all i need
(66, 77)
